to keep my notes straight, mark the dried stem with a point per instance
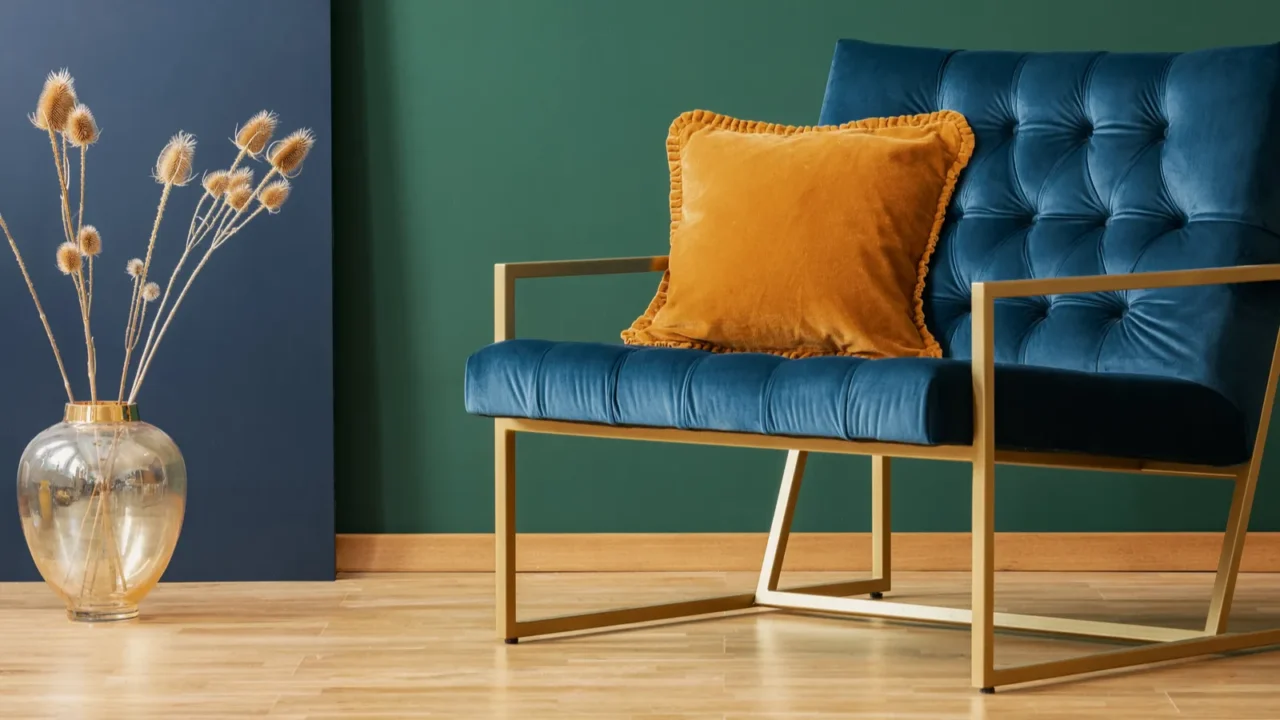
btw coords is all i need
(146, 347)
(207, 223)
(145, 363)
(62, 185)
(221, 237)
(64, 171)
(84, 152)
(142, 279)
(128, 331)
(196, 214)
(77, 279)
(66, 383)
(223, 212)
(236, 162)
(222, 224)
(218, 205)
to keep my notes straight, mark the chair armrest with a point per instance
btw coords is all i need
(983, 308)
(506, 274)
(1131, 281)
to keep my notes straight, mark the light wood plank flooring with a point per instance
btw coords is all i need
(390, 646)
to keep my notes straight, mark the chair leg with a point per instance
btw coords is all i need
(881, 528)
(504, 531)
(982, 367)
(509, 629)
(982, 633)
(1224, 585)
(775, 549)
(780, 531)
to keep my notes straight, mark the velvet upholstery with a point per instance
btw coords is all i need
(1084, 164)
(1093, 163)
(923, 401)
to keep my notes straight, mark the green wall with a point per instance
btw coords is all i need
(469, 132)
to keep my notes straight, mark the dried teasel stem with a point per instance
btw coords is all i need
(66, 383)
(64, 170)
(142, 277)
(173, 167)
(128, 335)
(235, 177)
(215, 186)
(82, 131)
(62, 185)
(143, 295)
(252, 139)
(215, 212)
(237, 228)
(193, 230)
(144, 363)
(91, 360)
(84, 152)
(196, 214)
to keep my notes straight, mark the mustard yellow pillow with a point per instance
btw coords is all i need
(803, 241)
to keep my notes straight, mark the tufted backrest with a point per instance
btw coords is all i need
(1093, 163)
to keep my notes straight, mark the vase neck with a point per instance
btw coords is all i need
(101, 412)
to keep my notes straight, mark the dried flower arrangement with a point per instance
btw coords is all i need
(230, 202)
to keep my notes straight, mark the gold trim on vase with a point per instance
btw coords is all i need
(101, 412)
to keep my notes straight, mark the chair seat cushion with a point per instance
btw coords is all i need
(922, 401)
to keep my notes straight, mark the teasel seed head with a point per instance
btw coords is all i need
(286, 155)
(239, 198)
(69, 260)
(57, 100)
(134, 267)
(273, 195)
(82, 129)
(89, 240)
(254, 135)
(150, 292)
(215, 183)
(173, 167)
(240, 178)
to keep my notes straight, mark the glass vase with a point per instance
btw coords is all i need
(101, 496)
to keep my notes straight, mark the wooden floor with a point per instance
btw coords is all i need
(391, 646)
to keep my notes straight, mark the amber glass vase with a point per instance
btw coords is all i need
(101, 495)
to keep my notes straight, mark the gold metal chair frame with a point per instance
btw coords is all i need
(1167, 643)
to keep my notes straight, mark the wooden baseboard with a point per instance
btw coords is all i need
(845, 552)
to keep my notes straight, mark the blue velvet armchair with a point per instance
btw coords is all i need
(1102, 291)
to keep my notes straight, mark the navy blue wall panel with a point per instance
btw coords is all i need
(244, 380)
